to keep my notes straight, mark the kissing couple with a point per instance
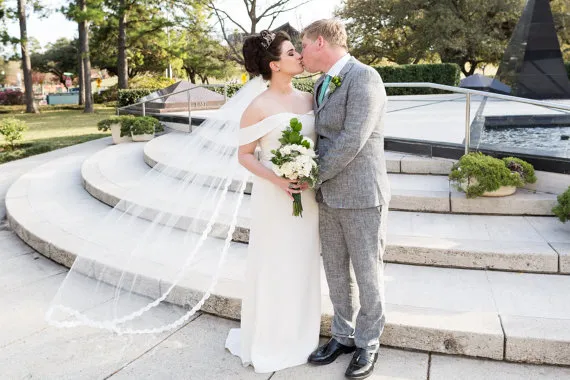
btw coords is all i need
(344, 216)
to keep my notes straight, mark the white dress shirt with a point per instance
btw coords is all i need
(337, 68)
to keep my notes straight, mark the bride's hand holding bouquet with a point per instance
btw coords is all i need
(295, 162)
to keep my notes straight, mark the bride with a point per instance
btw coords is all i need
(280, 317)
(153, 261)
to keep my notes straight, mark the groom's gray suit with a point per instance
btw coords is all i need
(352, 191)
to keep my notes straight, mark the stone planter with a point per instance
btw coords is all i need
(502, 191)
(143, 137)
(116, 133)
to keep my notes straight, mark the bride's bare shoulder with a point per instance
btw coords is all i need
(254, 112)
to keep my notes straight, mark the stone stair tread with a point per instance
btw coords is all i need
(438, 309)
(423, 238)
(412, 189)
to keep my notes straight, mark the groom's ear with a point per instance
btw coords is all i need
(320, 42)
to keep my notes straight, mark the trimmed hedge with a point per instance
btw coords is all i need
(442, 73)
(306, 85)
(131, 96)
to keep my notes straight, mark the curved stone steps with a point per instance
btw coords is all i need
(466, 241)
(410, 192)
(498, 315)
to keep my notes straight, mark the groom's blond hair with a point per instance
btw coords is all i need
(332, 30)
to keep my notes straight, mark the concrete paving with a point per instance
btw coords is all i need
(31, 349)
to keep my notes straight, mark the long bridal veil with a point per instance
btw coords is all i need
(152, 261)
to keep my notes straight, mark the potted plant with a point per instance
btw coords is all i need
(480, 175)
(143, 128)
(119, 126)
(562, 209)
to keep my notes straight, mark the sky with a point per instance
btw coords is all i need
(57, 26)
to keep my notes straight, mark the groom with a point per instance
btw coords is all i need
(353, 194)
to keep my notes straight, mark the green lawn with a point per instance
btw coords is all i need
(53, 128)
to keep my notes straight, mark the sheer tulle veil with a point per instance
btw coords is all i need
(156, 257)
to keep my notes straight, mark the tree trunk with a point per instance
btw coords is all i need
(122, 65)
(472, 68)
(26, 63)
(191, 74)
(84, 27)
(80, 68)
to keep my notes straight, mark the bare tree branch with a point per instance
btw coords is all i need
(271, 23)
(217, 10)
(271, 13)
(279, 11)
(278, 4)
(236, 56)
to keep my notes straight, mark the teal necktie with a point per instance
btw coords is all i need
(324, 88)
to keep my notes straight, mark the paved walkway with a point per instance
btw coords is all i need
(31, 349)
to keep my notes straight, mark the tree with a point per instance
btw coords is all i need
(84, 12)
(256, 16)
(406, 31)
(561, 14)
(59, 57)
(196, 51)
(26, 63)
(385, 29)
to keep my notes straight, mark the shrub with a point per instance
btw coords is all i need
(105, 124)
(476, 173)
(562, 209)
(125, 121)
(12, 129)
(111, 94)
(144, 125)
(11, 97)
(306, 85)
(150, 81)
(442, 73)
(131, 123)
(132, 96)
(525, 170)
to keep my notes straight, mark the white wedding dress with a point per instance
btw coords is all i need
(281, 305)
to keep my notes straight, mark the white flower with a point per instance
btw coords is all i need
(277, 170)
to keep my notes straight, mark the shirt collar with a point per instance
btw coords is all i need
(339, 65)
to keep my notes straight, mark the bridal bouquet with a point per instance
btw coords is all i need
(295, 160)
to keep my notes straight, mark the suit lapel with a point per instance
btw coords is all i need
(342, 74)
(316, 91)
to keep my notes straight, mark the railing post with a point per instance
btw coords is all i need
(225, 92)
(144, 109)
(189, 112)
(467, 122)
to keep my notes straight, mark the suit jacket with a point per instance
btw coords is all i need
(350, 128)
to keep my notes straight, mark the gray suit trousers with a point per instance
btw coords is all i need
(352, 257)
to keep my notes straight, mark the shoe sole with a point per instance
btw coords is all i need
(361, 376)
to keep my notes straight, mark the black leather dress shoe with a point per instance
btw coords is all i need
(362, 364)
(327, 353)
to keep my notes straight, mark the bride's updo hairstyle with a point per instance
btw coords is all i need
(260, 50)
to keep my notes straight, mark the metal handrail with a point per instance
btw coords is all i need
(187, 91)
(468, 93)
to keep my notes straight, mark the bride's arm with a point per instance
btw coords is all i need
(247, 158)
